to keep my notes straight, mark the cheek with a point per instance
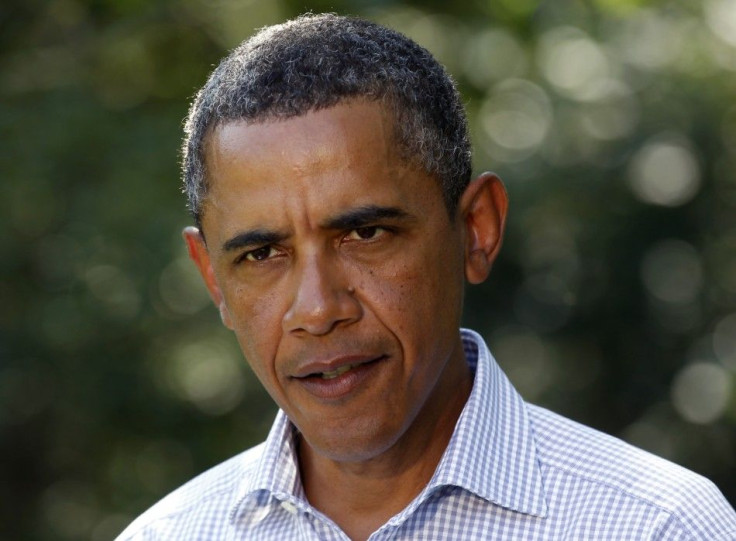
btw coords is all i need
(257, 326)
(409, 295)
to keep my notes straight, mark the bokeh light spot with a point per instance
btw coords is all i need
(69, 509)
(650, 40)
(493, 55)
(525, 359)
(672, 272)
(613, 117)
(700, 392)
(181, 288)
(720, 15)
(665, 172)
(516, 119)
(208, 375)
(110, 526)
(652, 436)
(574, 64)
(114, 289)
(724, 341)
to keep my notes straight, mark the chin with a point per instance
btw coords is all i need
(356, 445)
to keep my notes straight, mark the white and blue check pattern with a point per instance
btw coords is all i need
(511, 471)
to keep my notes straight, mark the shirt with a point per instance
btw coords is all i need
(511, 471)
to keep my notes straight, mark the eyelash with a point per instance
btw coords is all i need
(378, 231)
(244, 256)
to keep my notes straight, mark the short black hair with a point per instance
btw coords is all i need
(317, 61)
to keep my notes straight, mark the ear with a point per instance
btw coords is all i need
(483, 208)
(199, 254)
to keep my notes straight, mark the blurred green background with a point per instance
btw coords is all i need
(613, 123)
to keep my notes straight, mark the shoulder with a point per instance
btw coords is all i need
(591, 464)
(202, 503)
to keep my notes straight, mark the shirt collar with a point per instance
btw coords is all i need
(275, 477)
(492, 452)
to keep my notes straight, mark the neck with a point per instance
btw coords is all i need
(361, 496)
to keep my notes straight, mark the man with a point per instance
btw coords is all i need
(328, 172)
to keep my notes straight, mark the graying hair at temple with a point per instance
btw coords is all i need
(316, 61)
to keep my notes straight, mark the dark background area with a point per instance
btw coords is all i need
(613, 302)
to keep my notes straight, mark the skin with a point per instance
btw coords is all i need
(325, 250)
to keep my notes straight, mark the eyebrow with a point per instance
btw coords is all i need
(352, 219)
(255, 237)
(364, 216)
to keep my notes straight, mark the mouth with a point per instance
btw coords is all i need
(335, 368)
(338, 378)
(334, 373)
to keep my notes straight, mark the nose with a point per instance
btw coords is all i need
(322, 299)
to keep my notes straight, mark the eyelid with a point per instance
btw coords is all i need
(243, 256)
(380, 231)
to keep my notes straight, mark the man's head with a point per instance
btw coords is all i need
(330, 251)
(316, 61)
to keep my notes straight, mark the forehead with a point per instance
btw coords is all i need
(315, 164)
(351, 131)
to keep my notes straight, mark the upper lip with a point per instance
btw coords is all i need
(330, 365)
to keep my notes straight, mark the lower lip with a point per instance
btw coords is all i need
(342, 385)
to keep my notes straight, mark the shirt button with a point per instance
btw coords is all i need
(290, 507)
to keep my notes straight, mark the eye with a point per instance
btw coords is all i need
(366, 233)
(259, 254)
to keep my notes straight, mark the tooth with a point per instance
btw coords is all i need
(337, 372)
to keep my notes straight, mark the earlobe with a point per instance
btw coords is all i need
(199, 254)
(483, 206)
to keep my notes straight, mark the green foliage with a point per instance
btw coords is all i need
(613, 302)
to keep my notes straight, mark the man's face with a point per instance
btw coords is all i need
(336, 265)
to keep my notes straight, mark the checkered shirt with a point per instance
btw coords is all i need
(511, 471)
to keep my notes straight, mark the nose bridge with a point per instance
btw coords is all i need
(321, 299)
